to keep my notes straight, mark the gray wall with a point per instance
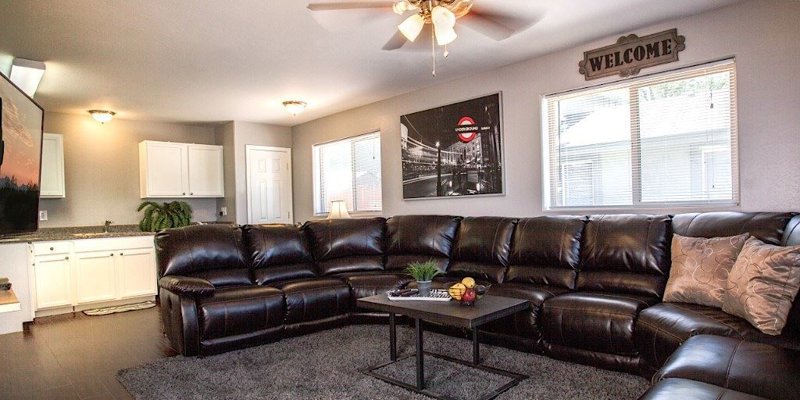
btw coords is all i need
(762, 35)
(101, 168)
(235, 136)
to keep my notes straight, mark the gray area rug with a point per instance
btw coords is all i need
(327, 365)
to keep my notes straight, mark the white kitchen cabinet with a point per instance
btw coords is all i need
(52, 183)
(52, 286)
(95, 277)
(137, 273)
(77, 274)
(169, 169)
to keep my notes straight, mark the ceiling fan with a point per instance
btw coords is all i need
(441, 15)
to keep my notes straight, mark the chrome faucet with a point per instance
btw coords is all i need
(107, 225)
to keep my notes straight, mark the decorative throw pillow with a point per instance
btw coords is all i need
(763, 284)
(700, 267)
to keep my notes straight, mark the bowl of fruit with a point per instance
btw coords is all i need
(467, 292)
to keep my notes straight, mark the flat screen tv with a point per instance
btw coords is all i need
(21, 121)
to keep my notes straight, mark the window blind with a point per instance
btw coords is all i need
(349, 170)
(661, 140)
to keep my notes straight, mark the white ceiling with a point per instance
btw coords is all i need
(211, 61)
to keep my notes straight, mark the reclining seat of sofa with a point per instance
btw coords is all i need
(209, 302)
(351, 251)
(282, 260)
(543, 263)
(623, 270)
(662, 328)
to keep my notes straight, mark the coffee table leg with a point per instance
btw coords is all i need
(476, 354)
(392, 338)
(420, 358)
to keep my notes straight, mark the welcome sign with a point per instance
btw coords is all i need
(632, 53)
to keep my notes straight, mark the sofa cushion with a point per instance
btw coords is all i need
(314, 299)
(662, 328)
(524, 323)
(626, 253)
(482, 248)
(763, 284)
(240, 310)
(546, 251)
(278, 253)
(346, 245)
(769, 227)
(595, 321)
(700, 268)
(754, 368)
(213, 252)
(687, 389)
(416, 238)
(364, 284)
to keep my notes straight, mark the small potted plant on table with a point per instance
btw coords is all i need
(423, 273)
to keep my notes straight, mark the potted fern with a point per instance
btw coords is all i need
(163, 216)
(423, 273)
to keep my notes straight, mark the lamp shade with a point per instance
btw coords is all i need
(294, 107)
(412, 26)
(338, 210)
(443, 22)
(27, 74)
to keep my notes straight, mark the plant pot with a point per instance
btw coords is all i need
(424, 288)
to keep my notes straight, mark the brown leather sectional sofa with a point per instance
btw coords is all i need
(595, 284)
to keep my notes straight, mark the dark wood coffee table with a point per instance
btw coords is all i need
(451, 313)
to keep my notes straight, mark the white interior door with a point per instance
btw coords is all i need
(269, 185)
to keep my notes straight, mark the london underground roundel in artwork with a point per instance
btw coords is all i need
(467, 129)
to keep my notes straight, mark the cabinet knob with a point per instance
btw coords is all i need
(66, 258)
(112, 254)
(191, 194)
(51, 249)
(121, 253)
(184, 193)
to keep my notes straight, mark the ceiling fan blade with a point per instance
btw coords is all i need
(497, 25)
(350, 5)
(397, 41)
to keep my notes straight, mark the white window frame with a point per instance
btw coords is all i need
(637, 203)
(318, 210)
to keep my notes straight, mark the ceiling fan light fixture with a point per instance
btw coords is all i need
(412, 26)
(294, 107)
(443, 23)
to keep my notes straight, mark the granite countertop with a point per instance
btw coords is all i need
(74, 233)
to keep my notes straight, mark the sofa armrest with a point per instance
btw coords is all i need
(186, 286)
(755, 368)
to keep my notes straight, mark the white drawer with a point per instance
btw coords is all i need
(58, 247)
(119, 243)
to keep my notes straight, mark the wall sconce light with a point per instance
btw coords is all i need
(338, 210)
(294, 107)
(27, 74)
(102, 116)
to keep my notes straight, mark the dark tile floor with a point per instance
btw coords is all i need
(75, 356)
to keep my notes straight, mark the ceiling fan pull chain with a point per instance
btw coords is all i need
(433, 51)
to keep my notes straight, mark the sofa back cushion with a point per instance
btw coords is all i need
(417, 238)
(626, 253)
(482, 248)
(347, 245)
(278, 253)
(214, 252)
(546, 251)
(769, 227)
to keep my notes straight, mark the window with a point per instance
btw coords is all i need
(349, 170)
(665, 140)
